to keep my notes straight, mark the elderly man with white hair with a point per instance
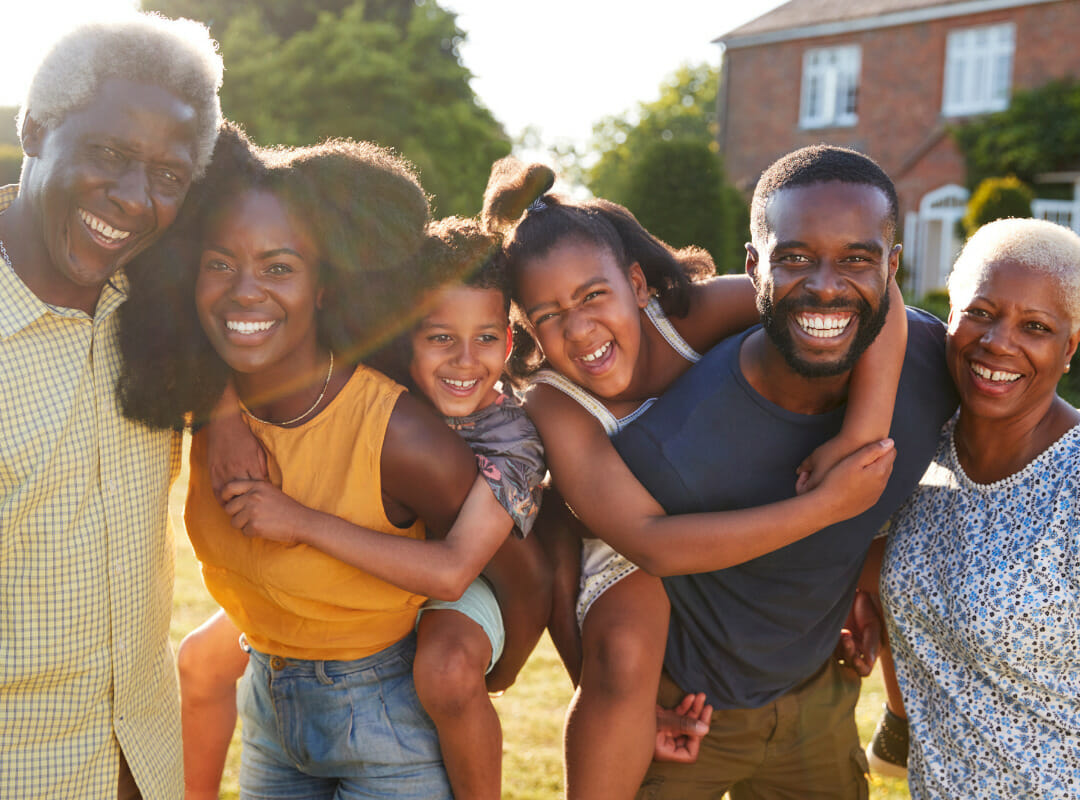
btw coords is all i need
(119, 119)
(981, 579)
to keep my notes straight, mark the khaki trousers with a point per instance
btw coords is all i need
(802, 746)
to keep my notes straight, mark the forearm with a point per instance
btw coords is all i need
(427, 567)
(874, 380)
(685, 544)
(228, 403)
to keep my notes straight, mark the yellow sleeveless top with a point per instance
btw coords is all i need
(293, 600)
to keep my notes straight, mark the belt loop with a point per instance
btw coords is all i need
(320, 673)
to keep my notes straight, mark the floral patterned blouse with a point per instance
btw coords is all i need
(510, 456)
(981, 584)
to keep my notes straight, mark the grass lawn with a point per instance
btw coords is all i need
(531, 712)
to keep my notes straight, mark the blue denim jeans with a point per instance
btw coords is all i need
(337, 729)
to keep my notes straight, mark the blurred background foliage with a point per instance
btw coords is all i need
(661, 161)
(387, 71)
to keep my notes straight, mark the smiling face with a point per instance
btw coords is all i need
(822, 274)
(258, 290)
(586, 314)
(459, 349)
(106, 182)
(1009, 341)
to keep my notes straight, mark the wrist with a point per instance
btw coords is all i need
(306, 527)
(827, 506)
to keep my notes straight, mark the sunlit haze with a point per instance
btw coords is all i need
(555, 67)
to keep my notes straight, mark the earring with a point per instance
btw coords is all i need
(1068, 367)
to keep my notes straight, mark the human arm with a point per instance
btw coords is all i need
(232, 451)
(862, 637)
(679, 730)
(439, 568)
(614, 506)
(720, 307)
(424, 468)
(871, 396)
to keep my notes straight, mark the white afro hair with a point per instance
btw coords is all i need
(1043, 246)
(175, 54)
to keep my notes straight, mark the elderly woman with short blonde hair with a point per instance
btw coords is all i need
(981, 580)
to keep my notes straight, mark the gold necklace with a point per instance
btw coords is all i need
(307, 413)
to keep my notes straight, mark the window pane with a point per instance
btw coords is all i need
(830, 86)
(978, 69)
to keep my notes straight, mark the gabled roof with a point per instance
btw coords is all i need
(799, 19)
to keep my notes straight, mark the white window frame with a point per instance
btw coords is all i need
(830, 86)
(978, 69)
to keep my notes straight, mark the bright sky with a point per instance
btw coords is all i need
(557, 66)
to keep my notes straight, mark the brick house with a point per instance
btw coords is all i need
(887, 77)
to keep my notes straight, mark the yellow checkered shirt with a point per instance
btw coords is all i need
(86, 560)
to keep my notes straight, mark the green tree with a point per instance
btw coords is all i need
(997, 198)
(677, 191)
(284, 17)
(1039, 132)
(387, 71)
(686, 109)
(661, 162)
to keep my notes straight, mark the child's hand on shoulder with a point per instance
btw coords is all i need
(260, 509)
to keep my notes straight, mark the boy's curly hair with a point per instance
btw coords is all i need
(457, 251)
(361, 203)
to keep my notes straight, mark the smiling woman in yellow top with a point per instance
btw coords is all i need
(281, 240)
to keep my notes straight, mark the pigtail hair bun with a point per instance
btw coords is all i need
(512, 188)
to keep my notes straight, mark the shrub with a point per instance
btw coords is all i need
(936, 301)
(997, 198)
(678, 192)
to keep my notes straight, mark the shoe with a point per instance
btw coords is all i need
(888, 749)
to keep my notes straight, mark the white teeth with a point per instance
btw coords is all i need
(461, 384)
(997, 375)
(600, 352)
(102, 227)
(823, 326)
(248, 327)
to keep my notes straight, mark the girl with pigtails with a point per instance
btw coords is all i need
(615, 317)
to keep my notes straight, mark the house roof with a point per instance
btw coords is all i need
(798, 19)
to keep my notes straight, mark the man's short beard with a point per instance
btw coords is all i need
(774, 319)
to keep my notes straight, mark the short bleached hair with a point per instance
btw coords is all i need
(176, 54)
(1043, 246)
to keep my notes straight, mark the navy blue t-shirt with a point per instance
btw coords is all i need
(750, 633)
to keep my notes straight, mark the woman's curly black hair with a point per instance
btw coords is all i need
(518, 203)
(362, 204)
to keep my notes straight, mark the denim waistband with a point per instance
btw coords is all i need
(299, 667)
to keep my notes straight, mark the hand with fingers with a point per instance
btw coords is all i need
(860, 638)
(679, 730)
